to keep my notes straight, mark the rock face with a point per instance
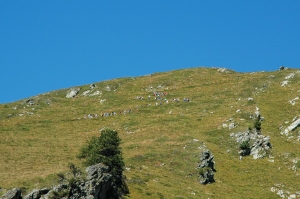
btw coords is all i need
(98, 184)
(12, 194)
(72, 92)
(35, 194)
(207, 167)
(98, 181)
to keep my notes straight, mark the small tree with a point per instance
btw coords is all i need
(106, 149)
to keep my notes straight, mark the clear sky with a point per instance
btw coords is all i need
(51, 44)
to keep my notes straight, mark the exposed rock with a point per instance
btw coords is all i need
(98, 184)
(85, 93)
(207, 166)
(107, 88)
(224, 125)
(102, 101)
(72, 92)
(207, 160)
(35, 194)
(284, 83)
(260, 147)
(30, 102)
(207, 177)
(12, 194)
(293, 101)
(231, 126)
(292, 127)
(290, 76)
(258, 144)
(92, 86)
(223, 70)
(88, 93)
(96, 93)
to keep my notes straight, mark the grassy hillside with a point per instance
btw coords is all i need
(161, 143)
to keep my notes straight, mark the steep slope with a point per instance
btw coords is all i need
(162, 138)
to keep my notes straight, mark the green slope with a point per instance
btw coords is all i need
(160, 142)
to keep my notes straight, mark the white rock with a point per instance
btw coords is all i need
(223, 70)
(293, 101)
(224, 125)
(72, 92)
(273, 189)
(85, 93)
(231, 125)
(96, 93)
(107, 88)
(290, 76)
(102, 101)
(284, 83)
(293, 126)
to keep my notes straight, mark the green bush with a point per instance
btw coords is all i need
(104, 149)
(257, 124)
(245, 145)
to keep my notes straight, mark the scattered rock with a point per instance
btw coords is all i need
(85, 93)
(284, 83)
(223, 70)
(231, 126)
(96, 93)
(92, 86)
(293, 101)
(30, 102)
(107, 88)
(72, 92)
(290, 76)
(102, 101)
(292, 127)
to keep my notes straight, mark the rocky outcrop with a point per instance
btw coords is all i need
(207, 167)
(12, 194)
(72, 92)
(97, 184)
(252, 143)
(98, 181)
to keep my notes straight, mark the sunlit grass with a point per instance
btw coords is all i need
(158, 141)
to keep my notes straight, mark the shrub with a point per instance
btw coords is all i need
(257, 124)
(106, 149)
(245, 145)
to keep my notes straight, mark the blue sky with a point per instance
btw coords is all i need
(49, 45)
